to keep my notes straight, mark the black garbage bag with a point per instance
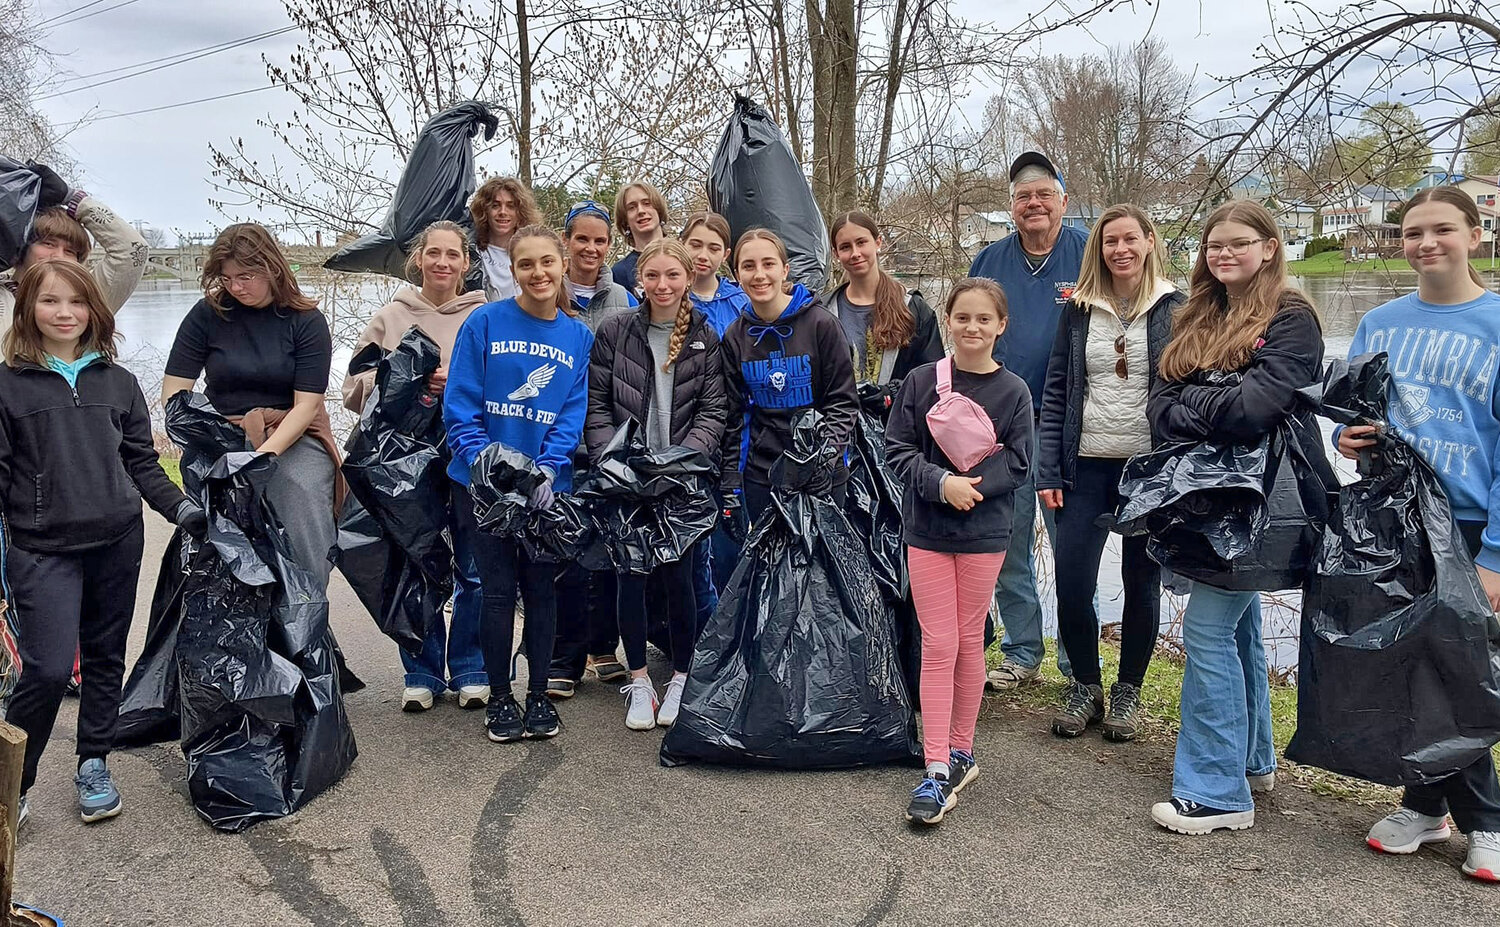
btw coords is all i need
(396, 466)
(437, 183)
(649, 507)
(1399, 670)
(20, 195)
(262, 719)
(149, 704)
(755, 180)
(797, 668)
(500, 483)
(1239, 517)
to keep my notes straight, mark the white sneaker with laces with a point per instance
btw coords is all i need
(1404, 831)
(416, 698)
(473, 696)
(1484, 856)
(1262, 784)
(671, 703)
(640, 704)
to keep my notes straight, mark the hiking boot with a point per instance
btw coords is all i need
(416, 698)
(97, 796)
(671, 702)
(541, 717)
(930, 800)
(640, 704)
(1404, 831)
(1011, 675)
(962, 770)
(1262, 784)
(1122, 723)
(608, 669)
(1484, 856)
(1082, 705)
(1189, 817)
(471, 697)
(502, 719)
(561, 688)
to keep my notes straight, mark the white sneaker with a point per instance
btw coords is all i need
(1266, 783)
(1404, 831)
(640, 704)
(416, 698)
(671, 703)
(473, 696)
(1484, 856)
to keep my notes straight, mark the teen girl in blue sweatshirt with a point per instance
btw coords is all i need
(1444, 347)
(518, 376)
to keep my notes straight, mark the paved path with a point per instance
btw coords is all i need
(436, 827)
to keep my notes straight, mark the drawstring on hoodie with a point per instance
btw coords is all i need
(759, 332)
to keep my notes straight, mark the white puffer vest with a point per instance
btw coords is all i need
(1114, 409)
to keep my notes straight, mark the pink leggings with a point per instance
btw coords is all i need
(952, 593)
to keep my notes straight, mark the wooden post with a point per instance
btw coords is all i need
(12, 758)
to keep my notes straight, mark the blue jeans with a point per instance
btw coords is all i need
(457, 646)
(1226, 701)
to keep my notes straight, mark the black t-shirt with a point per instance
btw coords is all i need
(252, 358)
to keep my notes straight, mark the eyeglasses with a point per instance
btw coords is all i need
(1122, 369)
(1041, 196)
(587, 206)
(1233, 248)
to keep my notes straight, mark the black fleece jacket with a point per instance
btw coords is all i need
(927, 521)
(75, 462)
(1289, 357)
(926, 344)
(621, 383)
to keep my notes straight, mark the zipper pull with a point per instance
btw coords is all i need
(76, 401)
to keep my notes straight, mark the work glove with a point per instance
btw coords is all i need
(54, 190)
(732, 516)
(191, 518)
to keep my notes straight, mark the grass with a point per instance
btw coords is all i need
(1161, 711)
(174, 469)
(1332, 262)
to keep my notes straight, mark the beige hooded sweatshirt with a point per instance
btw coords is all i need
(393, 320)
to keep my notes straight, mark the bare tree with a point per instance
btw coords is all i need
(26, 134)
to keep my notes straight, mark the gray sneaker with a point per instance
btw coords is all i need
(1483, 862)
(1011, 675)
(1404, 831)
(1082, 705)
(97, 796)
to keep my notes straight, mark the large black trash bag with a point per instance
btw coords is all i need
(149, 705)
(798, 667)
(501, 481)
(20, 195)
(396, 466)
(1399, 672)
(437, 183)
(262, 718)
(1237, 516)
(649, 507)
(755, 180)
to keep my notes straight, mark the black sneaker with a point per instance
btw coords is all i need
(502, 718)
(1189, 817)
(1124, 705)
(541, 718)
(1082, 705)
(930, 800)
(962, 769)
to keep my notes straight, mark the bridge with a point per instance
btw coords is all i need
(186, 263)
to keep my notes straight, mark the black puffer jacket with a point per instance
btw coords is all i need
(1060, 425)
(620, 383)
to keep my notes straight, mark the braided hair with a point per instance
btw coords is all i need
(672, 248)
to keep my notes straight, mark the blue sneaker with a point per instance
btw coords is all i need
(930, 800)
(97, 796)
(962, 769)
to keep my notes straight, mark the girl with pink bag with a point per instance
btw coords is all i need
(960, 437)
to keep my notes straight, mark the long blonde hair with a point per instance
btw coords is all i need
(1094, 278)
(676, 250)
(1211, 333)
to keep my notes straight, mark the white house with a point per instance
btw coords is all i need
(979, 229)
(1359, 218)
(1295, 220)
(1484, 189)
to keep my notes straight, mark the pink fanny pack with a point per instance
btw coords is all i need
(959, 425)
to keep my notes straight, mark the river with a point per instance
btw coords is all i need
(149, 321)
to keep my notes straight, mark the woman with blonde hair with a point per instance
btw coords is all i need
(1103, 365)
(500, 206)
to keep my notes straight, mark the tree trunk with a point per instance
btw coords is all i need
(523, 138)
(894, 70)
(791, 112)
(833, 40)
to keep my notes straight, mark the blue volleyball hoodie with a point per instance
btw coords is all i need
(521, 381)
(773, 371)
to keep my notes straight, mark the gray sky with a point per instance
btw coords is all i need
(154, 166)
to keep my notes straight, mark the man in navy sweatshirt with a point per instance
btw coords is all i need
(1037, 266)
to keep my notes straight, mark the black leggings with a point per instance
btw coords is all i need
(1077, 548)
(65, 604)
(586, 620)
(502, 566)
(671, 587)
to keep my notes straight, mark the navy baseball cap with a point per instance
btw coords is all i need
(1034, 159)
